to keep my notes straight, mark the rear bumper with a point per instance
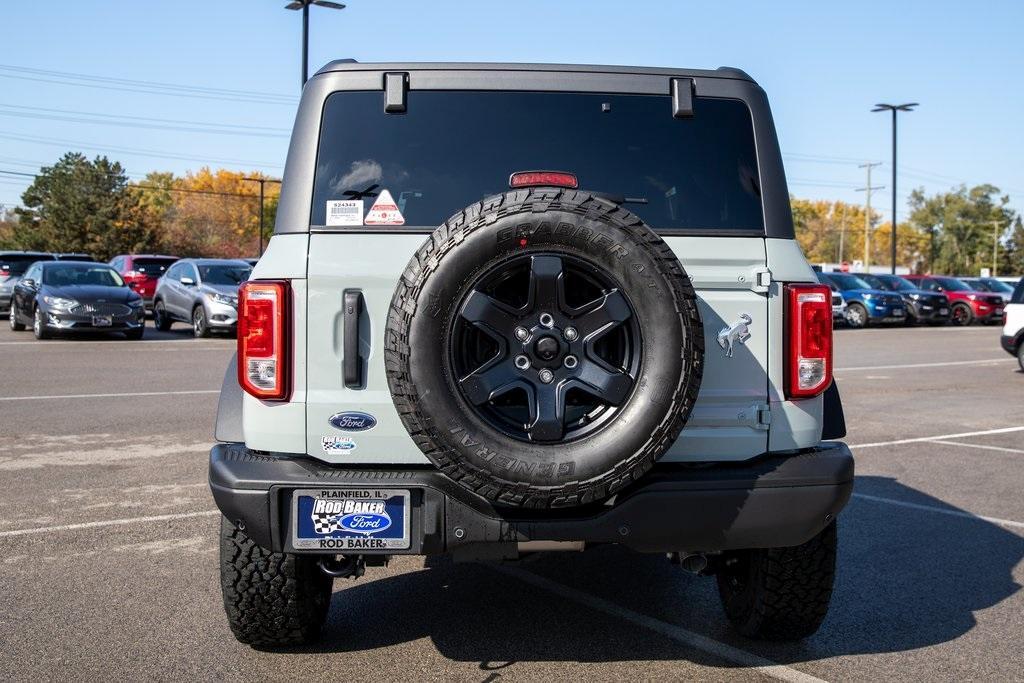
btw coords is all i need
(773, 501)
(1010, 342)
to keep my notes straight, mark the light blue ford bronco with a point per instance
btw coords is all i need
(519, 308)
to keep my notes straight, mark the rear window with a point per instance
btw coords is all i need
(154, 267)
(17, 264)
(1018, 293)
(454, 148)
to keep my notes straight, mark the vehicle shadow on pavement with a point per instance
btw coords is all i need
(907, 579)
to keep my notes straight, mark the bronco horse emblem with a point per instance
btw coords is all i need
(737, 332)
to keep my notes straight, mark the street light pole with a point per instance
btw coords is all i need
(894, 108)
(304, 6)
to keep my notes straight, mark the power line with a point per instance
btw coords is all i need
(141, 86)
(162, 188)
(57, 142)
(140, 122)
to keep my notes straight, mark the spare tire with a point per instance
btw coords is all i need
(544, 348)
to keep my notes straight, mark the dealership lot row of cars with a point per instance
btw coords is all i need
(59, 294)
(869, 299)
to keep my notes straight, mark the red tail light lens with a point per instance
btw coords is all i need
(264, 361)
(542, 178)
(809, 340)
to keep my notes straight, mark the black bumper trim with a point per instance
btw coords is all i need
(772, 501)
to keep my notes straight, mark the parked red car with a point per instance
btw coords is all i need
(966, 304)
(141, 271)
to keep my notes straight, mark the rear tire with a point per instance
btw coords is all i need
(12, 319)
(1020, 357)
(856, 316)
(200, 326)
(779, 593)
(272, 599)
(961, 315)
(160, 319)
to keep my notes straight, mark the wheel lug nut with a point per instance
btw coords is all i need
(570, 334)
(522, 362)
(570, 362)
(546, 376)
(546, 320)
(522, 334)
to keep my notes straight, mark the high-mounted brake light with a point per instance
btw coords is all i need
(264, 362)
(808, 340)
(542, 178)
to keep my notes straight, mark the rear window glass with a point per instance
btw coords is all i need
(454, 148)
(154, 267)
(17, 264)
(1018, 293)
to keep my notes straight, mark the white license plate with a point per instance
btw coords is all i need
(364, 519)
(102, 321)
(899, 312)
(943, 311)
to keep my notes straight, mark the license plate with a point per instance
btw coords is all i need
(899, 312)
(943, 311)
(101, 321)
(350, 519)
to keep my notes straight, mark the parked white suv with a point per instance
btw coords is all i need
(1012, 339)
(612, 337)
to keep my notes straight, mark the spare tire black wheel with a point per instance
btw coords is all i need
(544, 348)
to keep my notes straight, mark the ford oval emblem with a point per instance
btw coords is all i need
(353, 421)
(365, 522)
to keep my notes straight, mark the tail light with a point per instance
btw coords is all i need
(809, 340)
(264, 358)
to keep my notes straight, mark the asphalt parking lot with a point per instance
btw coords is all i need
(108, 541)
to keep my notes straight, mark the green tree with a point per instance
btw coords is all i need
(960, 227)
(82, 205)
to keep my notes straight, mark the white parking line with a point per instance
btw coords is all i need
(978, 445)
(938, 437)
(671, 631)
(117, 395)
(987, 361)
(106, 522)
(941, 511)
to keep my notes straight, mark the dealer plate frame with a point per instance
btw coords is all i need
(347, 544)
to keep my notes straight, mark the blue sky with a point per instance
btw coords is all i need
(823, 64)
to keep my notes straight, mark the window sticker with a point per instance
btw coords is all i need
(384, 211)
(345, 212)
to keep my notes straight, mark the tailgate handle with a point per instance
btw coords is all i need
(352, 364)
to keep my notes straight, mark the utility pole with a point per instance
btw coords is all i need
(995, 247)
(868, 189)
(262, 182)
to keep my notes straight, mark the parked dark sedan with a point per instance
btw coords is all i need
(57, 297)
(922, 306)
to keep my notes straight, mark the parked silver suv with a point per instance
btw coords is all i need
(202, 292)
